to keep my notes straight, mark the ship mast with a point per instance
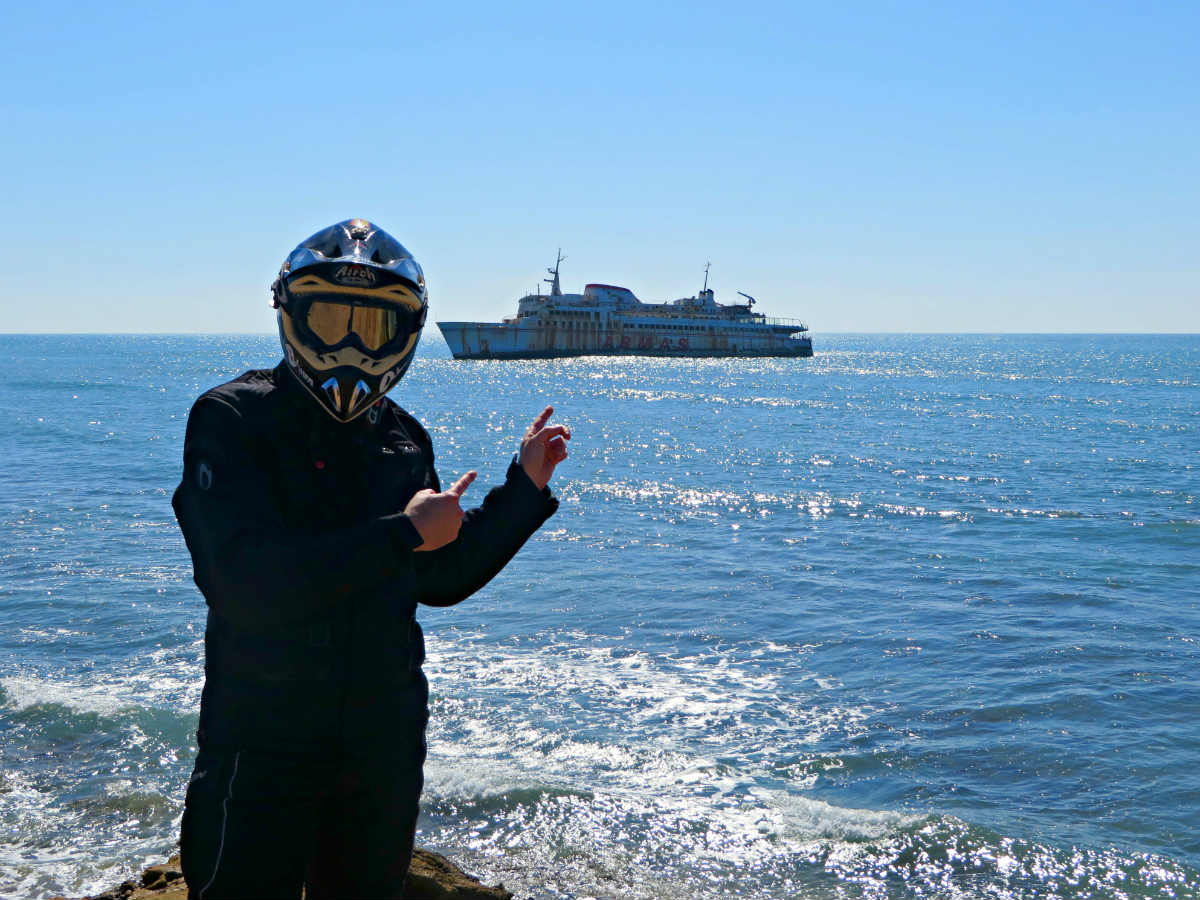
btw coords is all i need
(706, 265)
(555, 289)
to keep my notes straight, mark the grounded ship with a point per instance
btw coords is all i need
(611, 321)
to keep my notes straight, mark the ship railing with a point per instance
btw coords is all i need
(790, 323)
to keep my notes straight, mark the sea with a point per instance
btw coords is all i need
(918, 617)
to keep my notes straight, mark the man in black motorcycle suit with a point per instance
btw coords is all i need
(316, 524)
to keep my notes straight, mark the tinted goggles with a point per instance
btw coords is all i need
(333, 321)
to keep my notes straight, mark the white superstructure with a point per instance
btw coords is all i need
(610, 320)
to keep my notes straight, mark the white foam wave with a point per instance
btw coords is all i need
(163, 679)
(78, 696)
(652, 753)
(58, 845)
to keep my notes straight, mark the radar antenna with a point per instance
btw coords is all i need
(748, 297)
(555, 289)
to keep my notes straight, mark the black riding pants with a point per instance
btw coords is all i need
(263, 825)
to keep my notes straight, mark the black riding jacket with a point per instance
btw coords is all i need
(301, 548)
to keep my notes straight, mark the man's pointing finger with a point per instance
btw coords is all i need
(541, 420)
(462, 484)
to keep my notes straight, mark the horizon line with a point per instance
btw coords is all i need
(275, 334)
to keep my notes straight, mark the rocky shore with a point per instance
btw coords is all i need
(431, 877)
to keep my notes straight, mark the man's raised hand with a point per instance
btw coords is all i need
(437, 516)
(543, 447)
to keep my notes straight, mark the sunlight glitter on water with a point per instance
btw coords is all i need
(876, 624)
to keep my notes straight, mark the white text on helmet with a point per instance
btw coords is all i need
(355, 275)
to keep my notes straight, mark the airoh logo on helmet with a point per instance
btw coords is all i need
(356, 275)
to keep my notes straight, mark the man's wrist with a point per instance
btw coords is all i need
(523, 484)
(403, 533)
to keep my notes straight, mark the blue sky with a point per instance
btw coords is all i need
(866, 167)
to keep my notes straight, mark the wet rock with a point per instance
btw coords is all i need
(158, 877)
(433, 877)
(430, 877)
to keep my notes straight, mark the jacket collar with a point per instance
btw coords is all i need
(304, 409)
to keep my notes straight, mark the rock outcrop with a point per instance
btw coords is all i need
(430, 877)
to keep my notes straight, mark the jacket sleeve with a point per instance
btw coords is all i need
(254, 567)
(490, 536)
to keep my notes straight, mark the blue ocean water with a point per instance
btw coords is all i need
(918, 617)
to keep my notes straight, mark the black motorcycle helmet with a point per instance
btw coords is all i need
(351, 303)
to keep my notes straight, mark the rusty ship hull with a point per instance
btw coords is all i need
(607, 320)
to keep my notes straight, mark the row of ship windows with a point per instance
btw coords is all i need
(691, 328)
(588, 314)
